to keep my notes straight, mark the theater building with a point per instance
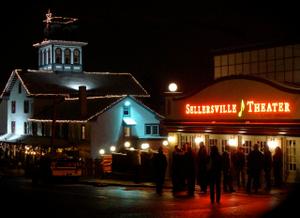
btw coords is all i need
(239, 111)
(254, 98)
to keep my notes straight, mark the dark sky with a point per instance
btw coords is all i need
(156, 42)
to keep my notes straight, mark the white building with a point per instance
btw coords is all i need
(61, 105)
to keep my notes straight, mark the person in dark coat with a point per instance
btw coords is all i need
(176, 161)
(160, 166)
(214, 170)
(190, 161)
(277, 167)
(202, 158)
(227, 176)
(267, 167)
(254, 167)
(239, 166)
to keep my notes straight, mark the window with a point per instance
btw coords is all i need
(49, 57)
(26, 106)
(45, 56)
(20, 87)
(43, 129)
(13, 126)
(58, 55)
(34, 128)
(291, 154)
(126, 111)
(13, 107)
(65, 130)
(213, 142)
(67, 56)
(76, 56)
(151, 129)
(83, 132)
(41, 58)
(25, 128)
(148, 129)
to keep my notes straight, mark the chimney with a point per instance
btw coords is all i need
(82, 101)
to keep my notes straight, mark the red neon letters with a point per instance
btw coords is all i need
(250, 107)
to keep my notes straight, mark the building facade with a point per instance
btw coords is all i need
(280, 63)
(61, 106)
(254, 99)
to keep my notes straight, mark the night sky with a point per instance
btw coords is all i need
(156, 42)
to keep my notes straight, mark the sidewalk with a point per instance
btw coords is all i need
(121, 182)
(103, 182)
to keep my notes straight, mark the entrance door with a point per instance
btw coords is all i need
(289, 160)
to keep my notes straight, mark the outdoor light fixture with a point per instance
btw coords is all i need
(144, 146)
(232, 142)
(165, 143)
(112, 148)
(127, 103)
(198, 140)
(127, 144)
(171, 139)
(272, 144)
(101, 151)
(172, 87)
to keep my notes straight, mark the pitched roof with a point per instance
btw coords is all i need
(39, 83)
(69, 110)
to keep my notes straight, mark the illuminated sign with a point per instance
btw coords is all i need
(250, 107)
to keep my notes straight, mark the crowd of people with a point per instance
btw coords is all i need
(213, 170)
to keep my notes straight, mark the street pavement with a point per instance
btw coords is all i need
(285, 190)
(113, 197)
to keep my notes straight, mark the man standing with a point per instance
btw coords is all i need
(160, 166)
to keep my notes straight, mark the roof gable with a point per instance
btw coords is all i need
(45, 83)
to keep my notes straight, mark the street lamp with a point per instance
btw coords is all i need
(172, 87)
(101, 151)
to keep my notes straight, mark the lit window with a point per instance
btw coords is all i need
(291, 155)
(67, 56)
(13, 126)
(151, 129)
(13, 107)
(83, 133)
(76, 56)
(26, 106)
(58, 56)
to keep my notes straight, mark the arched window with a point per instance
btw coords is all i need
(58, 55)
(41, 58)
(67, 56)
(49, 57)
(76, 56)
(45, 57)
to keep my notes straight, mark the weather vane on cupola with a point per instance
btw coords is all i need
(56, 25)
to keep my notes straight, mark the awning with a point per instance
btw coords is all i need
(129, 121)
